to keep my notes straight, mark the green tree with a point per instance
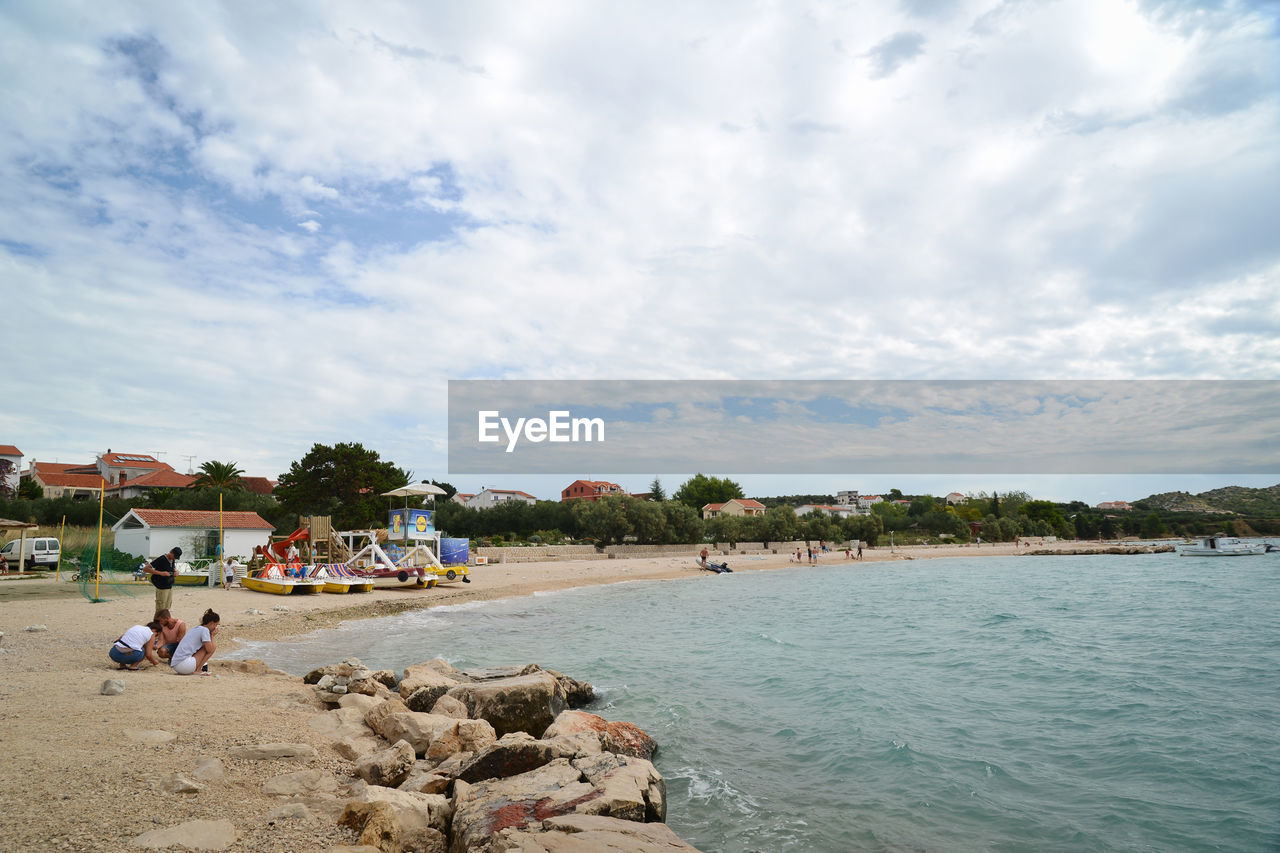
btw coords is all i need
(725, 528)
(995, 504)
(656, 492)
(219, 475)
(779, 524)
(344, 481)
(684, 524)
(647, 520)
(604, 520)
(700, 490)
(29, 489)
(1152, 526)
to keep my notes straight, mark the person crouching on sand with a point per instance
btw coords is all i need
(134, 645)
(197, 646)
(171, 633)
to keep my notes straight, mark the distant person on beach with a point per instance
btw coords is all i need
(291, 555)
(134, 645)
(811, 559)
(859, 549)
(229, 573)
(171, 633)
(702, 557)
(4, 565)
(163, 570)
(197, 646)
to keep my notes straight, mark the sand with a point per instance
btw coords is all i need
(80, 771)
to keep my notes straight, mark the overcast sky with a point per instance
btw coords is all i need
(229, 231)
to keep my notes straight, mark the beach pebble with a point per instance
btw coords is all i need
(176, 783)
(253, 611)
(192, 835)
(280, 608)
(209, 770)
(293, 811)
(31, 629)
(112, 687)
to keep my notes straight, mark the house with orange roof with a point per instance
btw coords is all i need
(148, 533)
(734, 506)
(165, 478)
(12, 455)
(462, 497)
(590, 490)
(59, 480)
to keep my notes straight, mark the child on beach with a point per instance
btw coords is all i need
(197, 646)
(171, 633)
(134, 645)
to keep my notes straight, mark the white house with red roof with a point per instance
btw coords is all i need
(955, 498)
(12, 455)
(489, 498)
(149, 533)
(462, 497)
(159, 479)
(833, 510)
(734, 506)
(1121, 506)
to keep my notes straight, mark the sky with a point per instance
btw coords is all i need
(230, 232)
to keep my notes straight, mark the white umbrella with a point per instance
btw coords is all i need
(420, 489)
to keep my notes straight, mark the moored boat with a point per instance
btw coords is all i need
(272, 580)
(1222, 546)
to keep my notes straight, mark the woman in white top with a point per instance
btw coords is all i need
(134, 645)
(197, 646)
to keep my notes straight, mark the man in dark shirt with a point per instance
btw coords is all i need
(163, 570)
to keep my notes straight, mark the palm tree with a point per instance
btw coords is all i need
(219, 475)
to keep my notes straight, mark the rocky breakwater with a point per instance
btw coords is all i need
(488, 761)
(1113, 549)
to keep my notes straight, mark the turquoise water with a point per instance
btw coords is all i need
(1080, 703)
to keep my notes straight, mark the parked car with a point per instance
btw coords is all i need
(38, 551)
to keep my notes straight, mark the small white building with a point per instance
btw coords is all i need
(13, 456)
(833, 510)
(149, 533)
(490, 498)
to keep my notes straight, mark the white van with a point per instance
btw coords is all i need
(38, 551)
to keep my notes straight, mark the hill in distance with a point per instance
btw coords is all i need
(1233, 500)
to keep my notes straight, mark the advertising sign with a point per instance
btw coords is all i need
(406, 524)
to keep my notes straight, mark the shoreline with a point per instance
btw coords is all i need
(85, 771)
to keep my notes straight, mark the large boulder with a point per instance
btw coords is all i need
(576, 693)
(424, 683)
(574, 833)
(346, 730)
(617, 737)
(510, 755)
(522, 703)
(622, 787)
(416, 811)
(434, 735)
(386, 767)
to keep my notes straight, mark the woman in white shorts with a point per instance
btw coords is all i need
(197, 646)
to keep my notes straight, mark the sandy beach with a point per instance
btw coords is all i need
(88, 772)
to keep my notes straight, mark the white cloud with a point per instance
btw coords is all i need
(1029, 190)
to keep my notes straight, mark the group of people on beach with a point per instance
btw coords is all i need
(165, 637)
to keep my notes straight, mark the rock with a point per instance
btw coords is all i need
(33, 629)
(192, 835)
(373, 716)
(292, 811)
(267, 751)
(511, 755)
(416, 811)
(209, 770)
(447, 706)
(576, 693)
(300, 782)
(280, 608)
(338, 688)
(427, 682)
(426, 782)
(253, 611)
(176, 783)
(524, 703)
(387, 767)
(620, 738)
(385, 677)
(631, 788)
(150, 737)
(377, 823)
(326, 682)
(422, 730)
(346, 848)
(486, 808)
(576, 832)
(622, 787)
(358, 701)
(111, 687)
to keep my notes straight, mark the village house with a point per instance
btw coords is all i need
(1122, 506)
(590, 490)
(832, 510)
(12, 455)
(955, 498)
(734, 506)
(147, 533)
(489, 498)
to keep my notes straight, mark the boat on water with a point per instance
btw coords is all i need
(274, 581)
(1221, 546)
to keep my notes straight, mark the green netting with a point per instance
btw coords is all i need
(117, 576)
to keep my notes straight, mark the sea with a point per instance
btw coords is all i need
(1061, 703)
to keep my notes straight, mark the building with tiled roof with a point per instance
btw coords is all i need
(258, 485)
(590, 490)
(13, 456)
(149, 533)
(462, 497)
(165, 478)
(734, 506)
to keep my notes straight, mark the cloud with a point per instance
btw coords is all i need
(242, 213)
(894, 52)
